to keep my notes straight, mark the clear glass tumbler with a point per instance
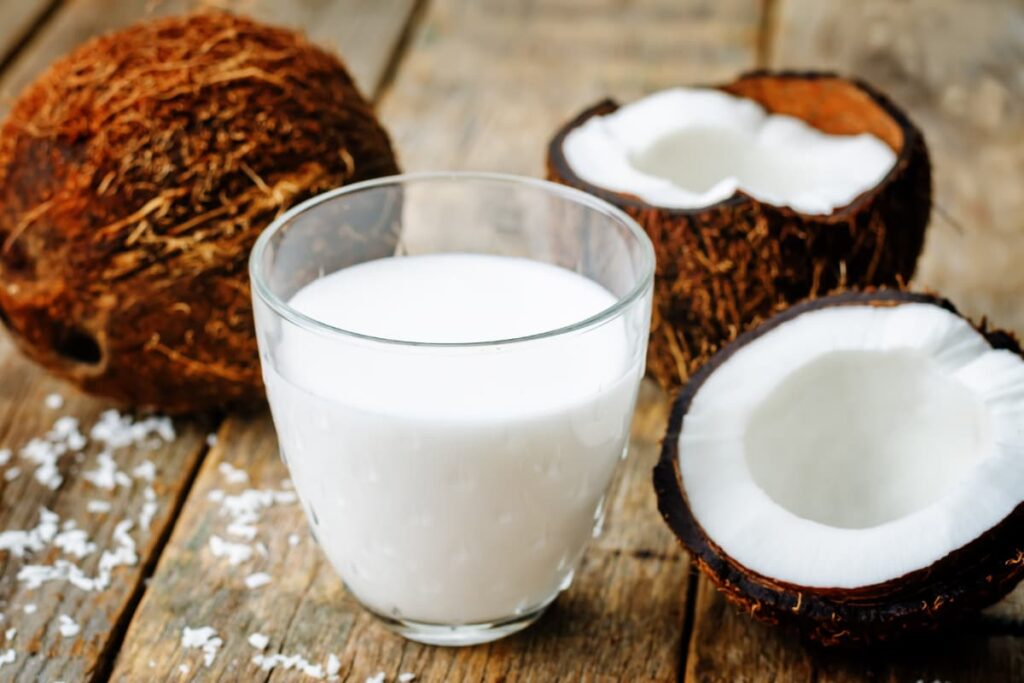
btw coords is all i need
(452, 484)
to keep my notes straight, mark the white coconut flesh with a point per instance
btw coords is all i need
(693, 147)
(851, 445)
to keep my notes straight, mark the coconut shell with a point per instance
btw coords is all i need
(135, 176)
(960, 584)
(724, 267)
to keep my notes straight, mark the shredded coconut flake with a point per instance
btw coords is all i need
(149, 508)
(104, 474)
(54, 401)
(19, 542)
(236, 553)
(288, 662)
(12, 474)
(232, 474)
(406, 677)
(68, 627)
(145, 471)
(97, 506)
(333, 665)
(30, 608)
(257, 580)
(8, 657)
(211, 439)
(244, 510)
(5, 456)
(259, 641)
(35, 575)
(115, 430)
(44, 452)
(75, 542)
(10, 633)
(293, 539)
(242, 530)
(44, 455)
(204, 638)
(378, 678)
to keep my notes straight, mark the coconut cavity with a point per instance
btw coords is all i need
(850, 445)
(855, 439)
(705, 183)
(691, 148)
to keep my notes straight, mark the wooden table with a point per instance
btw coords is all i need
(481, 84)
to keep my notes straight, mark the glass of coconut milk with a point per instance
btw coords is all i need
(452, 361)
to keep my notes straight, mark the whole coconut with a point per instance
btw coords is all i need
(135, 175)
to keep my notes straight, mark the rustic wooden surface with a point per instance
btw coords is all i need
(42, 653)
(481, 84)
(960, 74)
(959, 70)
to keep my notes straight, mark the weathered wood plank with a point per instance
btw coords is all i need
(41, 652)
(728, 646)
(483, 85)
(17, 20)
(361, 29)
(487, 83)
(957, 70)
(631, 595)
(193, 588)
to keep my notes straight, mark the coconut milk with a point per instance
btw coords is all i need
(453, 485)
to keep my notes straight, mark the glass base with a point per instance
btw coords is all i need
(462, 634)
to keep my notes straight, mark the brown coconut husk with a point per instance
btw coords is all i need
(956, 587)
(135, 176)
(724, 267)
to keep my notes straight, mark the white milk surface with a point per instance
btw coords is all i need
(453, 485)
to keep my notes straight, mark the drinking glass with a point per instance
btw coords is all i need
(453, 486)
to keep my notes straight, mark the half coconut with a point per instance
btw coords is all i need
(757, 194)
(854, 466)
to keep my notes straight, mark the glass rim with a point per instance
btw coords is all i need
(293, 315)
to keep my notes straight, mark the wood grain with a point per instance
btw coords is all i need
(41, 652)
(362, 30)
(728, 646)
(16, 22)
(957, 72)
(483, 85)
(957, 69)
(630, 592)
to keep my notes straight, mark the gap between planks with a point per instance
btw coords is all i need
(43, 11)
(394, 62)
(120, 629)
(767, 31)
